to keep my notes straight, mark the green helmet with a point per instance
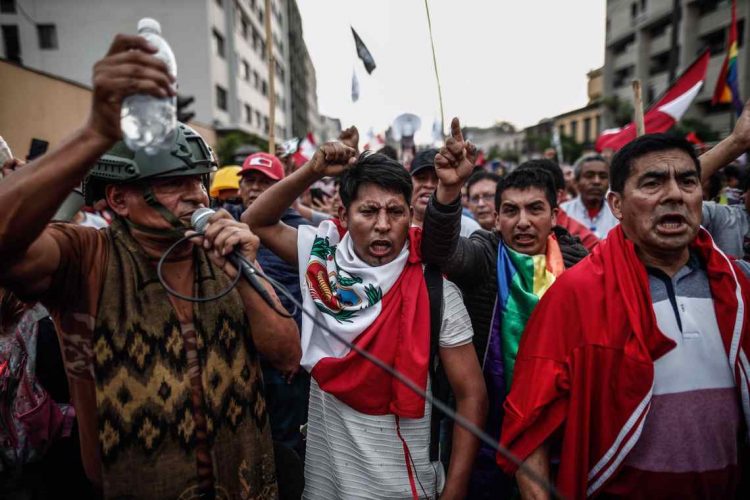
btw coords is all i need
(189, 155)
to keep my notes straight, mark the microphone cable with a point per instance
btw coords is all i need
(440, 405)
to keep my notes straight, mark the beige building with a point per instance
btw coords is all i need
(639, 39)
(34, 104)
(584, 124)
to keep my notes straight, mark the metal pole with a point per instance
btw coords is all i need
(271, 82)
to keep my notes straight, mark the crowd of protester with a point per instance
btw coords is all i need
(590, 319)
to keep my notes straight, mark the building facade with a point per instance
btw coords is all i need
(583, 125)
(652, 40)
(220, 47)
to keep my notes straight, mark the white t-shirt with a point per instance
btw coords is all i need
(353, 455)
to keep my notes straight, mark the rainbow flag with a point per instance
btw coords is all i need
(727, 88)
(521, 282)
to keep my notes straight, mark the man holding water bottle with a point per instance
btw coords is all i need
(168, 393)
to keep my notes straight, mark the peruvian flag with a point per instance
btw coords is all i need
(667, 111)
(305, 151)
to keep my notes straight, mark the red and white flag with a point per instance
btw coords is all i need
(305, 151)
(667, 111)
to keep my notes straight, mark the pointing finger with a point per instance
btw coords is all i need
(456, 130)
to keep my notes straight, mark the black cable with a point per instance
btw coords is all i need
(178, 294)
(228, 289)
(436, 403)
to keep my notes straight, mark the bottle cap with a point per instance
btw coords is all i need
(149, 24)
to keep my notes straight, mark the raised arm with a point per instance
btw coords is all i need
(264, 215)
(730, 148)
(31, 195)
(461, 259)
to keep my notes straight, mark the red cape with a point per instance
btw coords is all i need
(585, 369)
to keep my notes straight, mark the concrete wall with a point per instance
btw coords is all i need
(36, 105)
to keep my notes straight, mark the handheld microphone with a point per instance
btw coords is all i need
(199, 221)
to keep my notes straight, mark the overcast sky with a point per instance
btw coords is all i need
(513, 60)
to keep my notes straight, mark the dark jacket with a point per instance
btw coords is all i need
(471, 263)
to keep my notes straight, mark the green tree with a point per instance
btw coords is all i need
(227, 145)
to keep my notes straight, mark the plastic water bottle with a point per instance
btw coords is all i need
(148, 122)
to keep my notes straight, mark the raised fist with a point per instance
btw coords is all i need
(332, 158)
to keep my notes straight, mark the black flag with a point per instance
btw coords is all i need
(363, 53)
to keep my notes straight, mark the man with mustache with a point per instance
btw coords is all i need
(362, 276)
(590, 207)
(492, 271)
(634, 364)
(425, 181)
(168, 394)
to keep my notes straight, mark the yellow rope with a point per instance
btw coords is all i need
(437, 75)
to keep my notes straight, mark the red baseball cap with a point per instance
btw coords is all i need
(266, 164)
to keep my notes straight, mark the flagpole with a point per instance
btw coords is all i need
(271, 82)
(640, 126)
(434, 64)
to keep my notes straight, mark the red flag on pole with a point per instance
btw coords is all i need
(667, 111)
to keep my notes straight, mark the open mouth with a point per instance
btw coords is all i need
(524, 239)
(671, 224)
(424, 197)
(379, 248)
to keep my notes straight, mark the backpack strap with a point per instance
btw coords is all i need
(438, 383)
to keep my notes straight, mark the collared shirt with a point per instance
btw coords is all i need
(600, 224)
(689, 444)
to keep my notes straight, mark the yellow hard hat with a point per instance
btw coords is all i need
(225, 178)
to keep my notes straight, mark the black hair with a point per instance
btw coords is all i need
(731, 171)
(525, 178)
(481, 175)
(378, 169)
(622, 162)
(389, 151)
(580, 162)
(549, 166)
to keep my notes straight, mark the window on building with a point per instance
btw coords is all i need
(258, 118)
(561, 129)
(221, 98)
(260, 15)
(219, 42)
(598, 125)
(245, 71)
(264, 88)
(256, 80)
(713, 41)
(633, 12)
(265, 124)
(47, 36)
(574, 130)
(245, 28)
(708, 6)
(220, 3)
(248, 114)
(644, 5)
(587, 130)
(262, 48)
(8, 6)
(256, 39)
(11, 43)
(658, 63)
